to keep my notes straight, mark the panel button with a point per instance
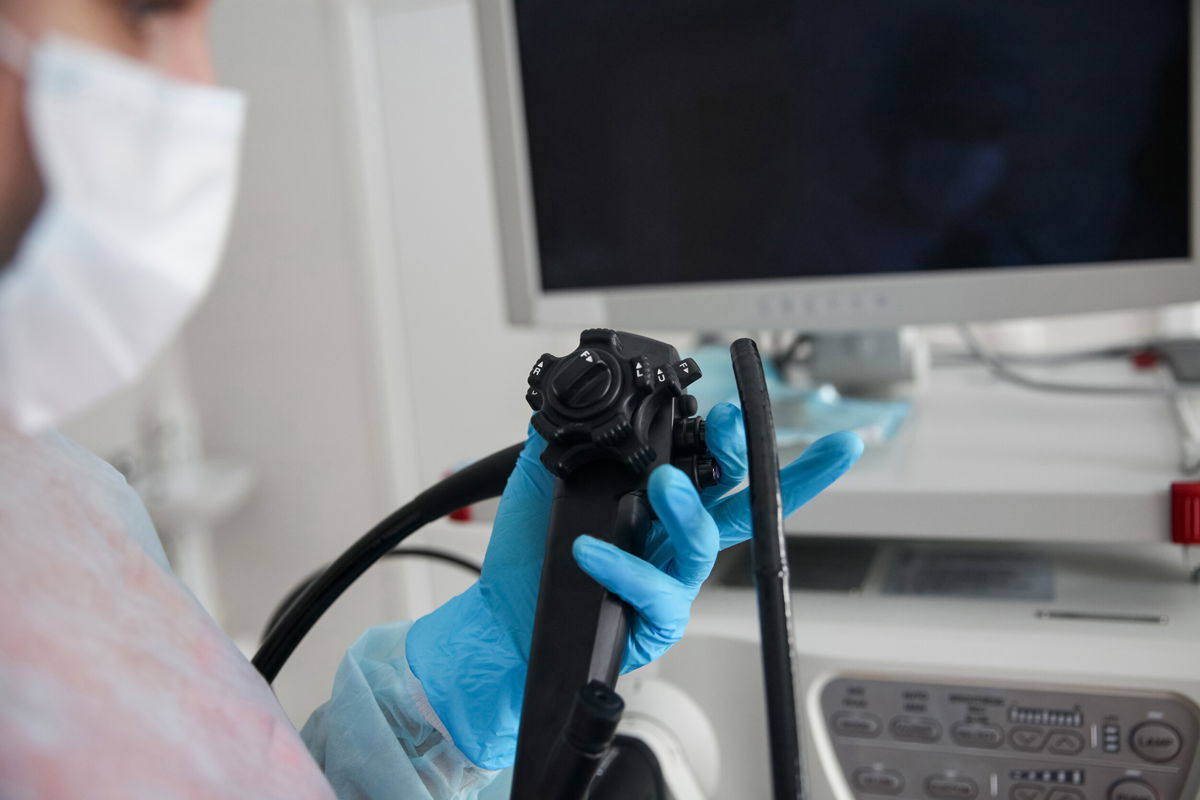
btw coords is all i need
(1156, 741)
(862, 726)
(977, 734)
(1025, 791)
(1065, 794)
(879, 781)
(1132, 790)
(947, 787)
(916, 729)
(1030, 740)
(1065, 743)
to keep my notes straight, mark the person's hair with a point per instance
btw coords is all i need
(139, 7)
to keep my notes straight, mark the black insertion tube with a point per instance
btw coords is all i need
(769, 561)
(479, 481)
(584, 744)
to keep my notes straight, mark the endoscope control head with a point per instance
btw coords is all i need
(600, 402)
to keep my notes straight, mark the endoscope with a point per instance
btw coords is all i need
(611, 411)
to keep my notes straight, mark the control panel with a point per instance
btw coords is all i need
(910, 739)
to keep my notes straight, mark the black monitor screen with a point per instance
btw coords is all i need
(708, 140)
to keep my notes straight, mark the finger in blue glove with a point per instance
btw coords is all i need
(682, 545)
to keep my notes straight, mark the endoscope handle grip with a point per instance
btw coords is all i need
(580, 629)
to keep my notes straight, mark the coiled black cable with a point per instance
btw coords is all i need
(479, 481)
(407, 552)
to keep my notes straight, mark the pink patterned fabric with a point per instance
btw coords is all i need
(114, 682)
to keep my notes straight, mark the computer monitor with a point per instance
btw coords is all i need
(840, 164)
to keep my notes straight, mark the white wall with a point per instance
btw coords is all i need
(280, 354)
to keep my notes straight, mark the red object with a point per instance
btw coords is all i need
(1185, 513)
(1145, 359)
(463, 514)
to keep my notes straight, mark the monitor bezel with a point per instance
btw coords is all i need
(858, 302)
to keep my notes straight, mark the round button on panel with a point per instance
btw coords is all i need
(977, 734)
(1132, 789)
(859, 725)
(1065, 794)
(1156, 742)
(1026, 791)
(879, 781)
(916, 729)
(951, 787)
(1029, 740)
(1064, 743)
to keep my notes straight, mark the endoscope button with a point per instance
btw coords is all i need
(861, 726)
(643, 376)
(665, 377)
(688, 406)
(1065, 743)
(688, 371)
(534, 398)
(1132, 789)
(1029, 740)
(1025, 791)
(977, 734)
(538, 373)
(879, 781)
(1156, 741)
(916, 729)
(950, 787)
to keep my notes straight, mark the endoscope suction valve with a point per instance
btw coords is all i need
(610, 412)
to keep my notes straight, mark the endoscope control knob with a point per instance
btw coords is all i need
(583, 382)
(703, 470)
(688, 436)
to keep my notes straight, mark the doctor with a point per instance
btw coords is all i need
(116, 187)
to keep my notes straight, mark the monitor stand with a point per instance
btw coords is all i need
(868, 363)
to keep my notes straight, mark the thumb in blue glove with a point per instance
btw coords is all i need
(471, 654)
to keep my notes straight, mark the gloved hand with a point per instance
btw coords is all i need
(471, 653)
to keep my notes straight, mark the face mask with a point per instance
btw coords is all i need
(140, 173)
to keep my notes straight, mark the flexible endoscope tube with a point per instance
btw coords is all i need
(479, 481)
(770, 568)
(431, 553)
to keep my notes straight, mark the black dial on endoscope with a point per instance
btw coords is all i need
(583, 381)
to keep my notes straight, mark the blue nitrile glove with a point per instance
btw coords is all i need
(471, 653)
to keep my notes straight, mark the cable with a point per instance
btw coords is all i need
(1001, 369)
(769, 559)
(407, 552)
(479, 481)
(953, 359)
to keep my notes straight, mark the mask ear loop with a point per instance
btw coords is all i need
(16, 49)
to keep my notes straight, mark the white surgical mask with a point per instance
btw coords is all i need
(140, 173)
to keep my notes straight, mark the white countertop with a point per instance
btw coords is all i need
(981, 459)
